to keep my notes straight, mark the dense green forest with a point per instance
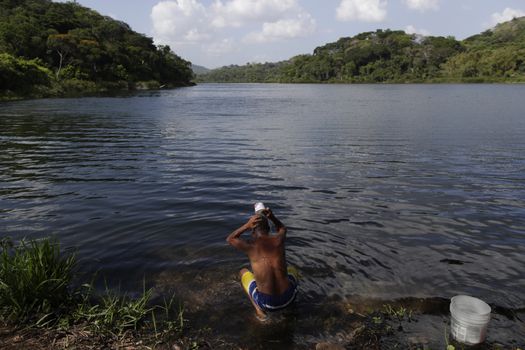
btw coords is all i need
(60, 49)
(56, 49)
(496, 55)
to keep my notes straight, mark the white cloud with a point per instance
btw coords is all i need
(179, 21)
(422, 5)
(220, 47)
(410, 29)
(362, 10)
(235, 13)
(302, 25)
(188, 23)
(507, 14)
(260, 58)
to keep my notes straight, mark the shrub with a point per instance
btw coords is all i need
(20, 75)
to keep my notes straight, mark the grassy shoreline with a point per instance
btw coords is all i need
(41, 294)
(46, 304)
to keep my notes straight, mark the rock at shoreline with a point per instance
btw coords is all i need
(328, 346)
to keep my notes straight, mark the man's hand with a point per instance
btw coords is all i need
(253, 222)
(234, 237)
(268, 213)
(281, 229)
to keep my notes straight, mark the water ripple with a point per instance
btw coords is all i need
(386, 194)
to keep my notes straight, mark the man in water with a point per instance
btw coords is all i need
(272, 285)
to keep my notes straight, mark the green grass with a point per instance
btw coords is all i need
(36, 291)
(112, 312)
(34, 279)
(399, 313)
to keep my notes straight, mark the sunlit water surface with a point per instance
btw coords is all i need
(389, 192)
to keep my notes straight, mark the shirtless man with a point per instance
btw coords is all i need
(272, 285)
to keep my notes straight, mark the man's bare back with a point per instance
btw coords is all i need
(268, 262)
(270, 287)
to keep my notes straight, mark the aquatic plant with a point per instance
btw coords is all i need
(448, 345)
(399, 313)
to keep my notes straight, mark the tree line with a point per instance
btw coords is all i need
(387, 56)
(55, 48)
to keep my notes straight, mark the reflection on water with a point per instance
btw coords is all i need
(390, 192)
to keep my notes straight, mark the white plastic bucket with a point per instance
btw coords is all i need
(470, 318)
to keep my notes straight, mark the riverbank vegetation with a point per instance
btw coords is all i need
(41, 291)
(386, 56)
(45, 303)
(63, 49)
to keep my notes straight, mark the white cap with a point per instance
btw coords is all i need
(259, 206)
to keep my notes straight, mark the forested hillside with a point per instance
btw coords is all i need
(49, 48)
(498, 53)
(395, 56)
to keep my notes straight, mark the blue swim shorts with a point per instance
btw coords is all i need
(269, 302)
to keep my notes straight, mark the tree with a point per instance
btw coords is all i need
(63, 45)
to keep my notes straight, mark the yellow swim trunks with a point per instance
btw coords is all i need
(271, 302)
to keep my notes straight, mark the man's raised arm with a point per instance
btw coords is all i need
(279, 226)
(234, 238)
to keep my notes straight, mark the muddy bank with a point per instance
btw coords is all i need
(215, 302)
(344, 328)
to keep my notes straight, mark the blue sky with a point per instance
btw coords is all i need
(214, 33)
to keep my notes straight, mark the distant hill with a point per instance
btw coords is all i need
(251, 72)
(386, 56)
(199, 69)
(54, 49)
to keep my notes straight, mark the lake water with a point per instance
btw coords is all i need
(390, 192)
